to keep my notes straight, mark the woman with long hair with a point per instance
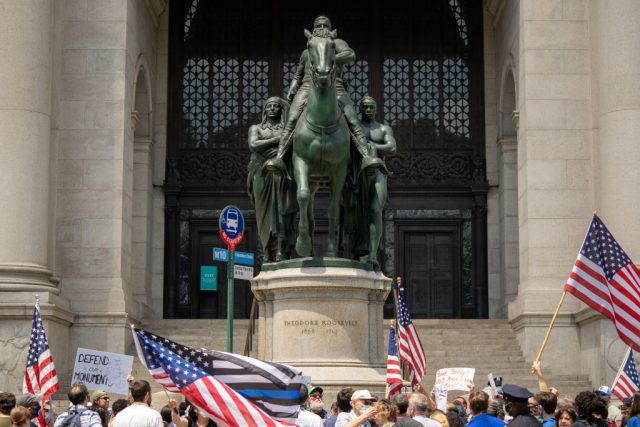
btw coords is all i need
(634, 411)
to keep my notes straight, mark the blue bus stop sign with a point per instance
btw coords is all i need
(231, 224)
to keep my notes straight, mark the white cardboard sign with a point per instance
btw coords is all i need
(242, 272)
(100, 370)
(454, 378)
(441, 398)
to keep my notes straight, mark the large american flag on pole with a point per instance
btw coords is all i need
(394, 370)
(232, 390)
(410, 348)
(626, 382)
(604, 278)
(40, 377)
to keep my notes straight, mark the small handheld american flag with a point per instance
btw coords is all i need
(394, 371)
(40, 377)
(626, 382)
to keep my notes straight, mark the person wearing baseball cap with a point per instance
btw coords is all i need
(316, 404)
(30, 402)
(361, 410)
(517, 406)
(613, 411)
(100, 398)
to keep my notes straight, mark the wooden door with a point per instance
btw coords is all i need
(430, 259)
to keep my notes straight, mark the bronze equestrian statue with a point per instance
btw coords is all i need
(321, 124)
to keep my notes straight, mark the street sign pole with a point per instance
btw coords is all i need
(230, 291)
(231, 228)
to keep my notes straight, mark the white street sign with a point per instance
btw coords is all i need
(242, 272)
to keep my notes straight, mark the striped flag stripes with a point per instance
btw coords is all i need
(410, 348)
(231, 389)
(604, 278)
(394, 370)
(626, 382)
(40, 377)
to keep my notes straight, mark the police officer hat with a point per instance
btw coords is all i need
(515, 393)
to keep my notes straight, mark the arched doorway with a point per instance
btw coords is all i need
(422, 61)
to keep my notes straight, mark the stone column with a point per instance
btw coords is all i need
(617, 146)
(25, 130)
(26, 34)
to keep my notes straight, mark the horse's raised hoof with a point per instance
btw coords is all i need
(303, 245)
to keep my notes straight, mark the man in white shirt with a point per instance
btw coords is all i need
(420, 410)
(307, 418)
(139, 414)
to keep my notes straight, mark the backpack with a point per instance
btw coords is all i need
(72, 419)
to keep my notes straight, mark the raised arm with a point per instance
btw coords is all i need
(537, 369)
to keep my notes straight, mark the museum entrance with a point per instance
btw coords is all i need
(421, 61)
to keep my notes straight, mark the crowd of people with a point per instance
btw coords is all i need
(497, 406)
(509, 405)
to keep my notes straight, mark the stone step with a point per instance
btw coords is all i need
(461, 323)
(487, 345)
(455, 353)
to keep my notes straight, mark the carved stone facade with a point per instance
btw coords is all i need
(99, 192)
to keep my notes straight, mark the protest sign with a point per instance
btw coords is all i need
(492, 385)
(100, 370)
(441, 398)
(454, 378)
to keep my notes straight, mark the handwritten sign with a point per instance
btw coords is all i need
(441, 398)
(454, 378)
(100, 370)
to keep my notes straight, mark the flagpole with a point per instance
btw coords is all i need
(553, 320)
(620, 369)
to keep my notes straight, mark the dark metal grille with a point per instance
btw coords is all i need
(414, 58)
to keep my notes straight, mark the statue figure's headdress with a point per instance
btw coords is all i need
(283, 104)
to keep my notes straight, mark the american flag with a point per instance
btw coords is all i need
(40, 377)
(394, 371)
(604, 278)
(231, 389)
(410, 348)
(626, 382)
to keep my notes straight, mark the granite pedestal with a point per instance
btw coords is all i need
(324, 317)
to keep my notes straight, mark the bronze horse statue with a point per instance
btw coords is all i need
(321, 146)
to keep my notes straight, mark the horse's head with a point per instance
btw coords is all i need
(322, 58)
